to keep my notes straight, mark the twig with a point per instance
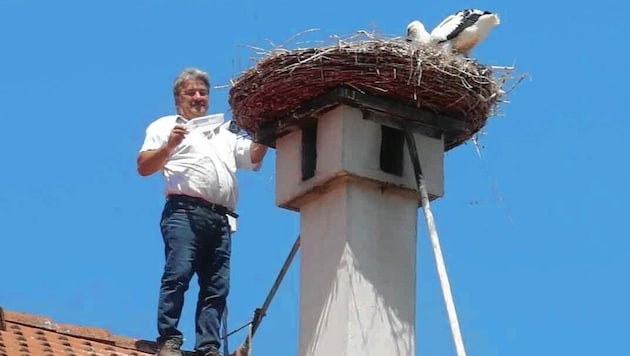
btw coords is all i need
(298, 35)
(522, 77)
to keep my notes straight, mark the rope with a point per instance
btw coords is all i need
(441, 267)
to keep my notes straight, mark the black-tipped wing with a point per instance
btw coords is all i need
(467, 21)
(456, 23)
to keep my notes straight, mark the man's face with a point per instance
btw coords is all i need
(192, 99)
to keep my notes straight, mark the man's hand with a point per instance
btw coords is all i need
(152, 161)
(257, 152)
(178, 133)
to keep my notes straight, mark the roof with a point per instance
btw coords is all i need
(23, 334)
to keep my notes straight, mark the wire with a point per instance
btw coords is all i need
(237, 330)
(226, 348)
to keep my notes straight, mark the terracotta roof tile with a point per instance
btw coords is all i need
(24, 334)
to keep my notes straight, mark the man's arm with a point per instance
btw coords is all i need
(151, 161)
(257, 152)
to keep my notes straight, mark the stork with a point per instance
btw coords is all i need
(417, 33)
(465, 29)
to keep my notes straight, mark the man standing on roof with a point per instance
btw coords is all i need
(198, 155)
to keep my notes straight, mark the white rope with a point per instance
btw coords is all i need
(446, 288)
(435, 242)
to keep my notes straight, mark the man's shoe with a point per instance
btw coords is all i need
(170, 347)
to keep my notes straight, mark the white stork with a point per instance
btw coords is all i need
(417, 33)
(463, 30)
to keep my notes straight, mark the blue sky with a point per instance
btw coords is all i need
(534, 234)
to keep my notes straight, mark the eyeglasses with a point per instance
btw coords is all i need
(192, 92)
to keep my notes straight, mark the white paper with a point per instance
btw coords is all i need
(205, 123)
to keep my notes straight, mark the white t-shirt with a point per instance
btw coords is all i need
(204, 165)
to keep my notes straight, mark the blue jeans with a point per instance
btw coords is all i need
(196, 240)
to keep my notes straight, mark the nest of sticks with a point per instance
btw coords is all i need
(410, 73)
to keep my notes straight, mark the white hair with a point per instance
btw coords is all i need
(190, 73)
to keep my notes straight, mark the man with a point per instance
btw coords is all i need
(199, 163)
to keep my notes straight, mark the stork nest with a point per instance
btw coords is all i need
(410, 73)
